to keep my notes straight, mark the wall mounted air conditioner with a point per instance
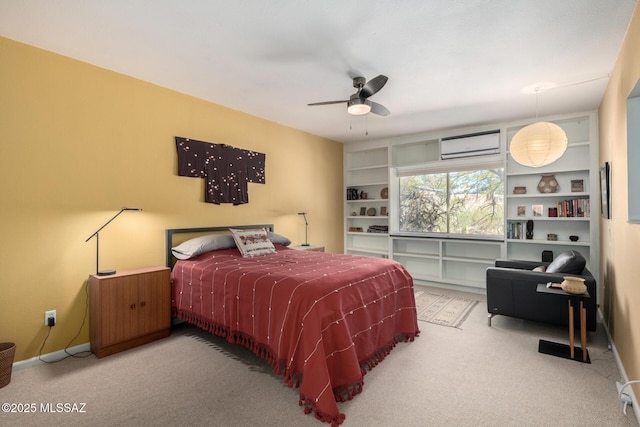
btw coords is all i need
(476, 144)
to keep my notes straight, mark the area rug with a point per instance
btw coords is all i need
(443, 310)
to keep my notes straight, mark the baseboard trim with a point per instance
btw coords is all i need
(451, 286)
(625, 378)
(50, 357)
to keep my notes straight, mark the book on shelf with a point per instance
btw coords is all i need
(515, 230)
(378, 229)
(574, 208)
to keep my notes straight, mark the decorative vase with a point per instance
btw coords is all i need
(573, 285)
(548, 184)
(529, 229)
(520, 190)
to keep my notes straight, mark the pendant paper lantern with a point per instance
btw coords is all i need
(538, 144)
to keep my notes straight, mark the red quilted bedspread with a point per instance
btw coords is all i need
(319, 319)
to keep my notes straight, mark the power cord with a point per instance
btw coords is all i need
(80, 354)
(624, 397)
(84, 319)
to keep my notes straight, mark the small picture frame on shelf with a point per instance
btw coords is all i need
(383, 211)
(577, 185)
(553, 212)
(537, 210)
(363, 211)
(522, 211)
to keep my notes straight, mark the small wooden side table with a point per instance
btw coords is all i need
(560, 350)
(129, 308)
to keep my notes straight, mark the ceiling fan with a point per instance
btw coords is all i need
(359, 104)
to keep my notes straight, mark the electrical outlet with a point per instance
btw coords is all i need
(49, 314)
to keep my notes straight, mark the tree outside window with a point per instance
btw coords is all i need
(466, 203)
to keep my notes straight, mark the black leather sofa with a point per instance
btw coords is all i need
(511, 290)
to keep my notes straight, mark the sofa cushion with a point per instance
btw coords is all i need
(571, 262)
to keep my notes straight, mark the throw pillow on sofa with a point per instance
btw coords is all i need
(570, 262)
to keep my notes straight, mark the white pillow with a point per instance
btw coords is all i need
(202, 244)
(253, 242)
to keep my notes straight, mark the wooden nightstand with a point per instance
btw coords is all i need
(129, 308)
(309, 248)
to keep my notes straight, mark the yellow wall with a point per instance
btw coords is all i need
(80, 142)
(620, 240)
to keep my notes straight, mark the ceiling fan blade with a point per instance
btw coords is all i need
(373, 86)
(328, 102)
(378, 109)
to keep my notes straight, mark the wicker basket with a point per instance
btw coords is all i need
(573, 285)
(7, 352)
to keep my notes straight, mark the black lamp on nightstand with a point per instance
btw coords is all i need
(306, 228)
(97, 235)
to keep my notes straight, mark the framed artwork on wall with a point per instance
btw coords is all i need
(605, 190)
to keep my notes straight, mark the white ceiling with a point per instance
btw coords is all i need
(450, 63)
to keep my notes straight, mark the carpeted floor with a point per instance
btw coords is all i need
(475, 375)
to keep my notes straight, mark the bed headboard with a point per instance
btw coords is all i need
(201, 231)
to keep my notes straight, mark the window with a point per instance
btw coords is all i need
(465, 203)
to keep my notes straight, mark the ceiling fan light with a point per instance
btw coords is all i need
(538, 144)
(358, 106)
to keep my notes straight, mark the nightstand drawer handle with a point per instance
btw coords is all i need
(133, 306)
(143, 303)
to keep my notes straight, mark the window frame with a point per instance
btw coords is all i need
(446, 166)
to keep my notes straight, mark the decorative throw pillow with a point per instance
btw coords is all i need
(202, 244)
(253, 243)
(571, 262)
(541, 269)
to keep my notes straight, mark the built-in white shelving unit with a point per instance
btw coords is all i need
(450, 261)
(372, 167)
(367, 204)
(576, 174)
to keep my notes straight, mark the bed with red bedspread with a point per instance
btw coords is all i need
(320, 319)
